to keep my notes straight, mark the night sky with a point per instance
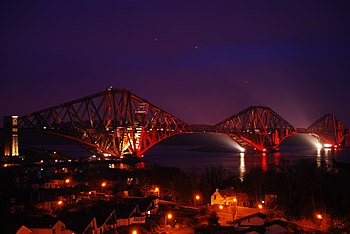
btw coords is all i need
(201, 61)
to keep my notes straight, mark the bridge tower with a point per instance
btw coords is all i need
(256, 127)
(329, 129)
(114, 122)
(10, 136)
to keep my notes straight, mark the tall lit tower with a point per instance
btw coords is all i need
(10, 136)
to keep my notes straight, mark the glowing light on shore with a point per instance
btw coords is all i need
(241, 167)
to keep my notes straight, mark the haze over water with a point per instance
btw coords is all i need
(198, 151)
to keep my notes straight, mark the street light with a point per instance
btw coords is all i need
(318, 220)
(260, 206)
(67, 181)
(157, 191)
(103, 185)
(134, 232)
(196, 199)
(236, 207)
(167, 217)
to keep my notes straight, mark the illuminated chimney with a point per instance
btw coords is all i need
(10, 136)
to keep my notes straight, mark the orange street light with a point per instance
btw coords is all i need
(103, 184)
(60, 203)
(134, 232)
(156, 190)
(67, 181)
(235, 200)
(167, 217)
(197, 197)
(260, 206)
(319, 216)
(221, 207)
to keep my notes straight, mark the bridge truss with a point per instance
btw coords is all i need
(329, 129)
(111, 123)
(256, 127)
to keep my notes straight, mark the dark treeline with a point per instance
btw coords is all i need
(303, 188)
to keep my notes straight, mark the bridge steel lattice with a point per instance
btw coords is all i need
(112, 122)
(256, 127)
(329, 129)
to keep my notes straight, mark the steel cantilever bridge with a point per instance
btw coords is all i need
(116, 122)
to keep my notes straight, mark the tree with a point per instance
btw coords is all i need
(213, 219)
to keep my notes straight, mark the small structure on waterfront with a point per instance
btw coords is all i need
(10, 136)
(229, 197)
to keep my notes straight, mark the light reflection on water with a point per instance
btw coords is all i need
(198, 151)
(241, 167)
(239, 163)
(182, 151)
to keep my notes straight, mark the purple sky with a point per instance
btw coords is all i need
(202, 61)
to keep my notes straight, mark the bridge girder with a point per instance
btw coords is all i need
(114, 122)
(329, 129)
(257, 126)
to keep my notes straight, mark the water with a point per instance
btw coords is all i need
(198, 151)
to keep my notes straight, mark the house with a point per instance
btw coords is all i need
(147, 205)
(24, 230)
(56, 183)
(269, 198)
(106, 219)
(44, 225)
(256, 219)
(49, 205)
(128, 214)
(276, 227)
(57, 228)
(80, 222)
(229, 197)
(13, 226)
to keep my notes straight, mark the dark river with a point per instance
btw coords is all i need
(198, 151)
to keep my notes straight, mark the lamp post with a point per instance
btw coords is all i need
(66, 182)
(318, 220)
(103, 185)
(156, 190)
(196, 200)
(236, 208)
(167, 217)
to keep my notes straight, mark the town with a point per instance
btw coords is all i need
(55, 194)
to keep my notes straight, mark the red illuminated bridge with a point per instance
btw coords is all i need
(116, 122)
